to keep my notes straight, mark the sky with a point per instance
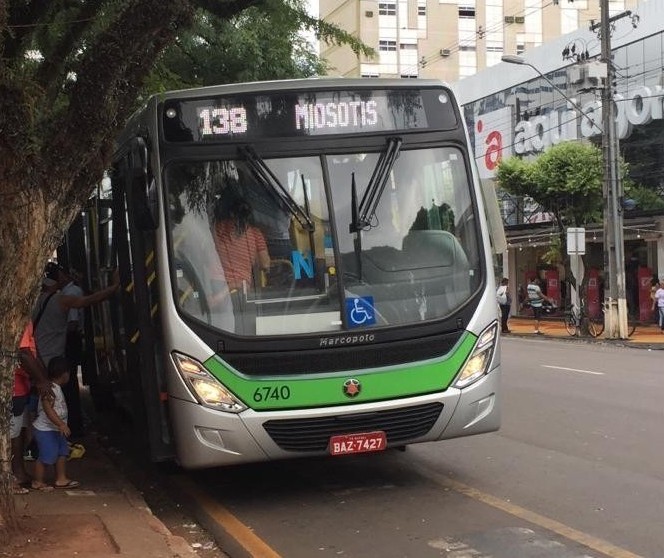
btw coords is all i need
(312, 8)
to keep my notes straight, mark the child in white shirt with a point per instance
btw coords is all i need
(51, 430)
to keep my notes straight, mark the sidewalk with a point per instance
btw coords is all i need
(106, 517)
(645, 336)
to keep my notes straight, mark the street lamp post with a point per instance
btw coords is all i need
(615, 303)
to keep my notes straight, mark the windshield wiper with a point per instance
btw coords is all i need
(270, 180)
(372, 195)
(355, 226)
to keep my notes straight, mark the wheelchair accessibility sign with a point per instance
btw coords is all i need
(360, 311)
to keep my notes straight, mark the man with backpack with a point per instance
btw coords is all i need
(51, 316)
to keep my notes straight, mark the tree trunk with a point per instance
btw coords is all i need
(29, 232)
(7, 510)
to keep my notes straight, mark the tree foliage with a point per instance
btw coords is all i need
(566, 180)
(71, 72)
(260, 43)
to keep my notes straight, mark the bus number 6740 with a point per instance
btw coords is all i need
(274, 393)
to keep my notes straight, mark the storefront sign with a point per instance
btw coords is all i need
(541, 132)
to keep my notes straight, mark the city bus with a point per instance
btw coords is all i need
(306, 270)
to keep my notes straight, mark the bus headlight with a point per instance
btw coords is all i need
(205, 387)
(480, 359)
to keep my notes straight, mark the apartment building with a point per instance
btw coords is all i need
(448, 39)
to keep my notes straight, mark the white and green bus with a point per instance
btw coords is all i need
(370, 325)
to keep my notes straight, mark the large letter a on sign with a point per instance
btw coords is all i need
(493, 134)
(494, 150)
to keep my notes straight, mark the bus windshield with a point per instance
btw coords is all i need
(274, 246)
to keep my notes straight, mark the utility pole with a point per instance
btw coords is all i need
(615, 303)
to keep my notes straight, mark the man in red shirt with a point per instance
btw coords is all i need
(240, 245)
(30, 369)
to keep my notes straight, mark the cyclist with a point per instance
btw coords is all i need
(536, 299)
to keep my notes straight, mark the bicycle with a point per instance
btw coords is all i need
(631, 323)
(577, 322)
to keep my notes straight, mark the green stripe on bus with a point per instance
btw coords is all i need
(323, 390)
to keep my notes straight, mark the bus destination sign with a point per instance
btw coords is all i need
(306, 114)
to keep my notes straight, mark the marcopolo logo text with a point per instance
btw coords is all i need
(347, 340)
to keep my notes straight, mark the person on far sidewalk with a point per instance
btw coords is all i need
(504, 302)
(658, 302)
(536, 299)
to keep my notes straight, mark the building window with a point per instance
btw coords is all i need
(421, 10)
(387, 45)
(466, 12)
(520, 48)
(409, 76)
(385, 8)
(467, 63)
(407, 46)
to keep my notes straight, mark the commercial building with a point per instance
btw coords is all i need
(512, 110)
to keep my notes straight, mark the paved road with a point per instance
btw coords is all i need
(575, 472)
(581, 439)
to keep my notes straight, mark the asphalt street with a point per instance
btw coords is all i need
(575, 471)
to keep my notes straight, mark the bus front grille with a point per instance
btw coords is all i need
(399, 425)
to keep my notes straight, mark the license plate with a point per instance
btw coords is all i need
(358, 443)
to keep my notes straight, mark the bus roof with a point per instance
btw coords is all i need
(310, 84)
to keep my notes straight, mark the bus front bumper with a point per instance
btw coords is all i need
(208, 438)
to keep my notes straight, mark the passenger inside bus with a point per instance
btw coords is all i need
(201, 289)
(240, 245)
(274, 220)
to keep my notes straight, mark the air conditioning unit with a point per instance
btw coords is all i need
(368, 13)
(445, 52)
(519, 19)
(509, 19)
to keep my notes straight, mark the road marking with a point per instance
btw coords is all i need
(574, 370)
(594, 543)
(243, 535)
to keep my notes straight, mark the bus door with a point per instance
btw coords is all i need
(134, 242)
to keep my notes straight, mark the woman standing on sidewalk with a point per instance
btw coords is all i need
(504, 302)
(658, 302)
